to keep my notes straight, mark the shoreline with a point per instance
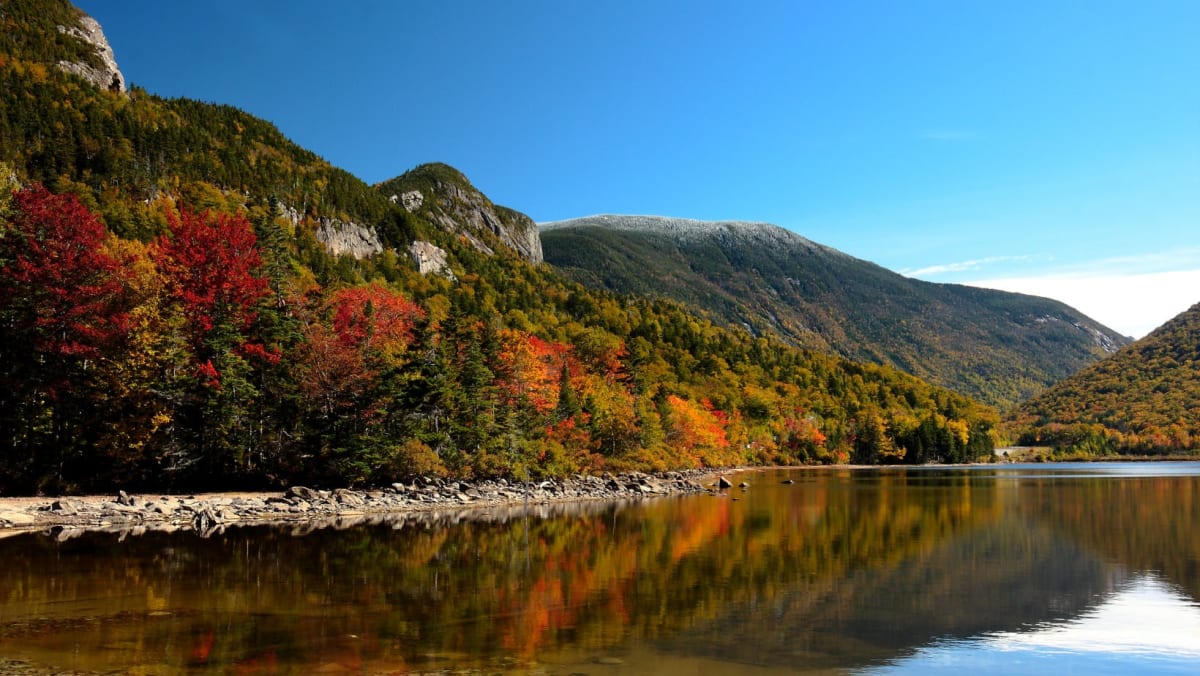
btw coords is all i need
(427, 500)
(423, 499)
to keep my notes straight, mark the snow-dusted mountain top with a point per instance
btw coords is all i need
(686, 229)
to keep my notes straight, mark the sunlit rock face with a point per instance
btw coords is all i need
(350, 238)
(467, 211)
(340, 237)
(442, 196)
(107, 75)
(430, 259)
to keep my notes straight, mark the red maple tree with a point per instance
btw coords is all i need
(212, 260)
(59, 290)
(374, 317)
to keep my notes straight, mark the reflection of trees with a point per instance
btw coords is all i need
(1141, 523)
(830, 571)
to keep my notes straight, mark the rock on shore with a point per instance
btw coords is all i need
(208, 514)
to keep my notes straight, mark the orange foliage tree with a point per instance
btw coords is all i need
(697, 430)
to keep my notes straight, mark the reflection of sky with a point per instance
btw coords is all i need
(1145, 628)
(1061, 470)
(1113, 469)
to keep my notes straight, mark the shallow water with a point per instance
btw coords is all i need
(1010, 569)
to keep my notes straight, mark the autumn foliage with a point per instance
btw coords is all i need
(61, 286)
(61, 313)
(206, 357)
(373, 317)
(212, 261)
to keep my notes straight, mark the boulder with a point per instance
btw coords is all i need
(301, 492)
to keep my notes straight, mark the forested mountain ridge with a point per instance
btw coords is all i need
(169, 319)
(1145, 399)
(996, 346)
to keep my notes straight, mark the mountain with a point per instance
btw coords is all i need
(1143, 399)
(998, 347)
(190, 300)
(442, 195)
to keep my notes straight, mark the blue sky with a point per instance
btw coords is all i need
(1045, 147)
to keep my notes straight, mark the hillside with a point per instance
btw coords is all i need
(189, 300)
(998, 347)
(1144, 399)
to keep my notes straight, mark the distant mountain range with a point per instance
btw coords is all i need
(996, 346)
(1145, 398)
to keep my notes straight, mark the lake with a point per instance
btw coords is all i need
(1041, 568)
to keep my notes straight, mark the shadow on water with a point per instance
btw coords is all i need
(841, 569)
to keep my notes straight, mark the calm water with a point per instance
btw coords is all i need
(1016, 569)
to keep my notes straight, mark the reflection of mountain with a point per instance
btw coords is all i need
(1002, 578)
(1145, 523)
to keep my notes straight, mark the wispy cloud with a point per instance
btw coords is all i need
(1145, 263)
(963, 266)
(1132, 294)
(1133, 303)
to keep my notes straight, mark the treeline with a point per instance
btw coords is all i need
(988, 344)
(208, 357)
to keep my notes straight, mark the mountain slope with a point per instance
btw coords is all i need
(1145, 398)
(999, 347)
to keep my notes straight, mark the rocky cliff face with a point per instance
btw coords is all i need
(104, 76)
(444, 197)
(348, 238)
(340, 237)
(430, 259)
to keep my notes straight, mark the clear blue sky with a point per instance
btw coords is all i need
(1051, 147)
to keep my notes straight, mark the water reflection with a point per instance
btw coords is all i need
(1144, 627)
(842, 569)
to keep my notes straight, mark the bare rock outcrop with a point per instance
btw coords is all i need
(105, 76)
(339, 237)
(411, 200)
(342, 237)
(443, 197)
(430, 259)
(467, 211)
